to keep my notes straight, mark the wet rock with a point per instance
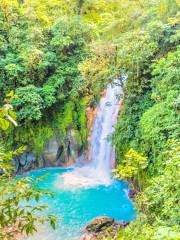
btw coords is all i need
(22, 159)
(51, 151)
(102, 228)
(131, 194)
(122, 224)
(99, 224)
(15, 164)
(89, 236)
(30, 162)
(25, 162)
(72, 148)
(40, 162)
(61, 156)
(59, 151)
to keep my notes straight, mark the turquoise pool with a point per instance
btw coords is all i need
(75, 207)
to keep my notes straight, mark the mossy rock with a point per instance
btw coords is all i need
(99, 224)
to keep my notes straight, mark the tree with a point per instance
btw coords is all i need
(131, 167)
(158, 203)
(16, 217)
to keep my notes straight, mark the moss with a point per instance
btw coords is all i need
(82, 121)
(71, 116)
(63, 120)
(41, 136)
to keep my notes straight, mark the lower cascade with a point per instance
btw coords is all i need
(88, 191)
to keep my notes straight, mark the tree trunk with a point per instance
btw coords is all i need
(80, 4)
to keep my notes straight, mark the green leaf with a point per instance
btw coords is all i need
(53, 224)
(4, 124)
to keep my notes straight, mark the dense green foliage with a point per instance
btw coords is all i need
(149, 121)
(131, 168)
(16, 217)
(39, 61)
(58, 56)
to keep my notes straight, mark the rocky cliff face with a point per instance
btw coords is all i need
(56, 153)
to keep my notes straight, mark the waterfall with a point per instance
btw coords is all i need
(98, 169)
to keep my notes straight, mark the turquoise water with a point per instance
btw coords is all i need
(75, 207)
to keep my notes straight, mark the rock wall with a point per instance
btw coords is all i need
(58, 152)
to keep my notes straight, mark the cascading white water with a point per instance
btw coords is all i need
(98, 169)
(102, 151)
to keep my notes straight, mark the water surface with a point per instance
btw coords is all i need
(75, 207)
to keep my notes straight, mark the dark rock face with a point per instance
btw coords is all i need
(50, 153)
(132, 194)
(25, 162)
(58, 152)
(102, 227)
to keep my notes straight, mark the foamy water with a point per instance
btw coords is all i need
(83, 177)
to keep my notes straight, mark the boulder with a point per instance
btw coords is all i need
(102, 227)
(99, 224)
(30, 162)
(89, 236)
(25, 162)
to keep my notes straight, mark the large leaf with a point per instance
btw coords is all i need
(4, 124)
